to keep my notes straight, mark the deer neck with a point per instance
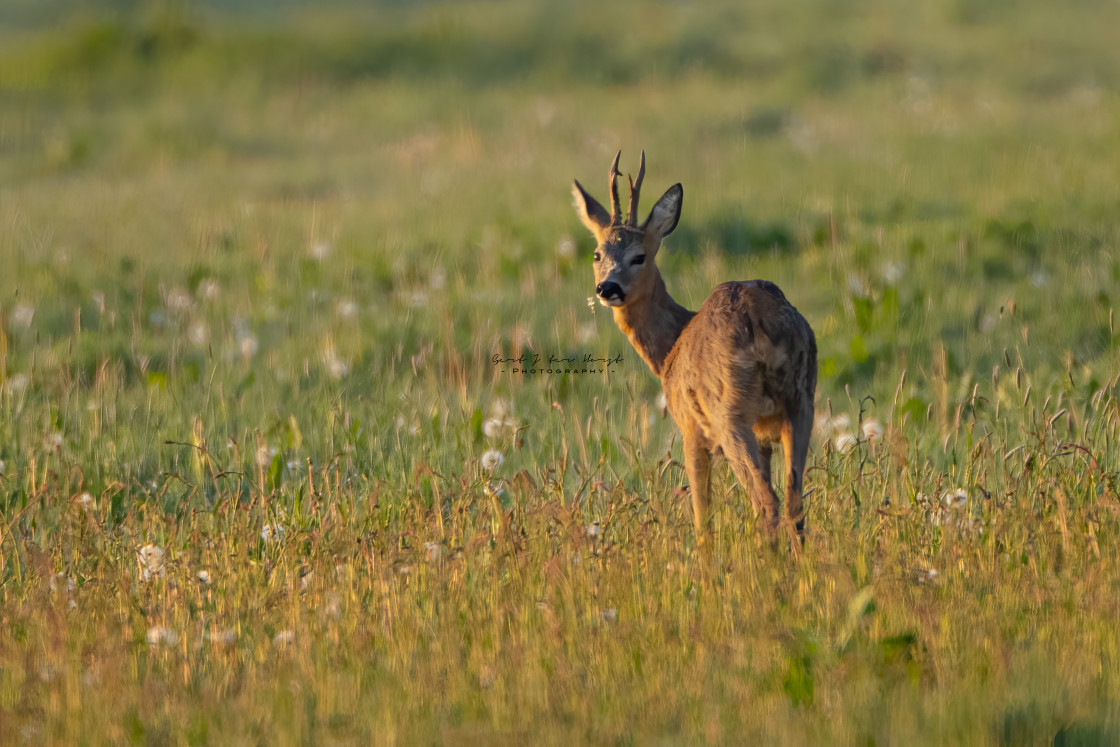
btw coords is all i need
(653, 324)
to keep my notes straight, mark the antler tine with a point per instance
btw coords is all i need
(616, 209)
(635, 193)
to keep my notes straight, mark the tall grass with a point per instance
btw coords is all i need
(256, 271)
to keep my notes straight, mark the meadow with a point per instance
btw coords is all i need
(262, 482)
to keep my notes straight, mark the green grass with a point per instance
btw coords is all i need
(255, 268)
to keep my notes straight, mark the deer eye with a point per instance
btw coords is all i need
(639, 260)
(598, 256)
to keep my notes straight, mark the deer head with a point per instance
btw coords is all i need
(624, 258)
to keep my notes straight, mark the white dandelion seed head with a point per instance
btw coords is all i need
(433, 551)
(22, 316)
(841, 422)
(203, 577)
(872, 430)
(283, 638)
(248, 345)
(492, 459)
(438, 279)
(845, 442)
(954, 498)
(347, 309)
(209, 289)
(222, 635)
(265, 455)
(271, 533)
(17, 384)
(594, 530)
(566, 248)
(159, 635)
(151, 561)
(85, 499)
(320, 250)
(198, 333)
(893, 272)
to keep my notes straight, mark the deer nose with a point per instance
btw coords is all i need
(610, 290)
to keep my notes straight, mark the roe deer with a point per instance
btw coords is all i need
(738, 375)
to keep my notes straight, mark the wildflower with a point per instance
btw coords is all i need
(433, 551)
(209, 289)
(61, 580)
(17, 383)
(248, 345)
(872, 430)
(492, 459)
(22, 316)
(158, 635)
(85, 498)
(333, 606)
(892, 272)
(151, 561)
(841, 422)
(347, 309)
(198, 333)
(438, 279)
(954, 498)
(265, 455)
(204, 577)
(272, 533)
(845, 442)
(566, 248)
(224, 635)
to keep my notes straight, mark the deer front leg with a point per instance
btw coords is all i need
(696, 464)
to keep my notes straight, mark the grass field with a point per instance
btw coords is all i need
(261, 482)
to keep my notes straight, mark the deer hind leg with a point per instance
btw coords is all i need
(753, 472)
(795, 447)
(696, 464)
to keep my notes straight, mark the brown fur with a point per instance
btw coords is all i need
(739, 375)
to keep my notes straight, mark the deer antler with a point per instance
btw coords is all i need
(635, 192)
(615, 207)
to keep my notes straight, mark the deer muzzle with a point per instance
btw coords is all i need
(610, 293)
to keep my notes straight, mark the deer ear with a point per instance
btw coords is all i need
(593, 215)
(665, 214)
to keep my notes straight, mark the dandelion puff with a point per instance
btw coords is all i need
(223, 635)
(872, 430)
(22, 316)
(347, 309)
(198, 333)
(271, 533)
(265, 455)
(845, 442)
(17, 383)
(158, 635)
(320, 250)
(594, 530)
(841, 422)
(492, 427)
(85, 498)
(248, 345)
(203, 577)
(151, 561)
(492, 459)
(566, 248)
(954, 498)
